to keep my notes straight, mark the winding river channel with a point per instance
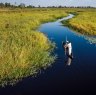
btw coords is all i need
(62, 77)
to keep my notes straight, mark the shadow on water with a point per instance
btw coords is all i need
(64, 76)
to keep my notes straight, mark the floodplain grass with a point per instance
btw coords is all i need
(23, 50)
(83, 22)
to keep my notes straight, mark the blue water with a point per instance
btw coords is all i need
(79, 75)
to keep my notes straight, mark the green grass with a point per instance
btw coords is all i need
(23, 50)
(84, 21)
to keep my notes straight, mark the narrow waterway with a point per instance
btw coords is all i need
(61, 77)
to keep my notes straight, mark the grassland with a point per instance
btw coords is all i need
(23, 50)
(84, 21)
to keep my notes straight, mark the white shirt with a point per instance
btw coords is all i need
(69, 45)
(69, 48)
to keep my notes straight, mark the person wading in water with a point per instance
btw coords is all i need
(68, 51)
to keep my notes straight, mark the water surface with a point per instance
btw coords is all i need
(61, 77)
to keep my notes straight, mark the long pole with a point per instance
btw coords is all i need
(66, 38)
(65, 43)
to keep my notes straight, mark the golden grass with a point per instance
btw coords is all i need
(23, 50)
(84, 22)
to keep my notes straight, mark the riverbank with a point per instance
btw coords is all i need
(84, 22)
(61, 76)
(23, 50)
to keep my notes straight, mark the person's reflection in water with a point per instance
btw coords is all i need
(68, 61)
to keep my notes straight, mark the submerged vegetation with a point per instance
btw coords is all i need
(23, 50)
(84, 22)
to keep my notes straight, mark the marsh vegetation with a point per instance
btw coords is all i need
(84, 21)
(23, 50)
